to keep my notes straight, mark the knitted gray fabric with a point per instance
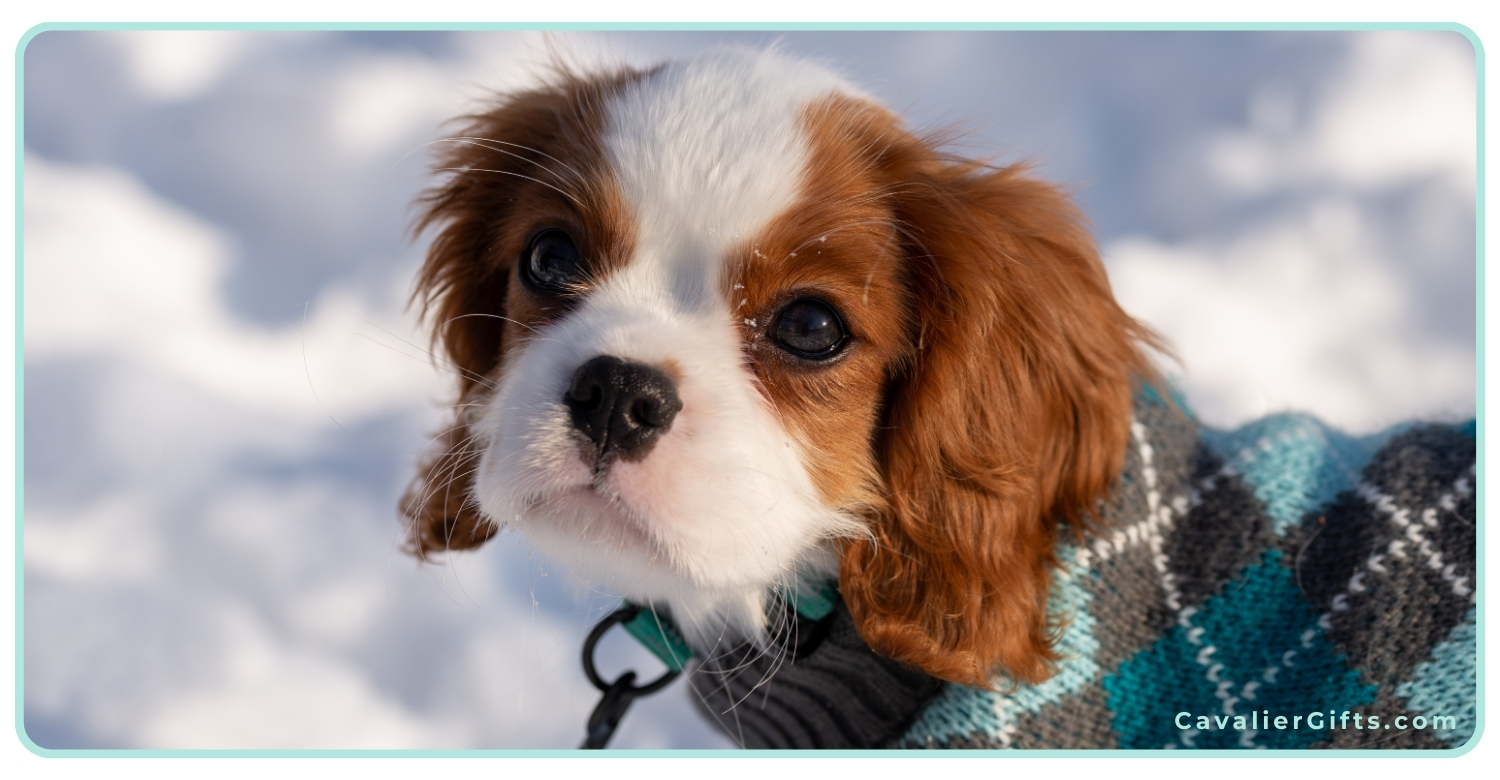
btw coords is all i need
(828, 690)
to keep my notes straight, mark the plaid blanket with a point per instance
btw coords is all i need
(1282, 585)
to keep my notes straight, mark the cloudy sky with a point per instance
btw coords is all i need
(224, 392)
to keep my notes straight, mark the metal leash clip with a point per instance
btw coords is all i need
(618, 695)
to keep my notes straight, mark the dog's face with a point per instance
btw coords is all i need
(725, 326)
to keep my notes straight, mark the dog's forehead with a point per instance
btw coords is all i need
(706, 152)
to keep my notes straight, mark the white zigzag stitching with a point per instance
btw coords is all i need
(1158, 520)
(1414, 534)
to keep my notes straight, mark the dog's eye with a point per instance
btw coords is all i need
(809, 329)
(551, 263)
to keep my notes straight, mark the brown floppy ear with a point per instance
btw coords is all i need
(1012, 416)
(437, 507)
(490, 165)
(461, 289)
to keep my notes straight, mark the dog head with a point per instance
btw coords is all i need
(725, 326)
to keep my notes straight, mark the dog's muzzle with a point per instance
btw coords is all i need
(621, 407)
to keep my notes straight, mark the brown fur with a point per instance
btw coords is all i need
(1009, 417)
(531, 161)
(840, 243)
(984, 400)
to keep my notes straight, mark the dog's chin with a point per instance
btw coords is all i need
(604, 542)
(574, 521)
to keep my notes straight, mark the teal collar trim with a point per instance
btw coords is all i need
(660, 636)
(656, 632)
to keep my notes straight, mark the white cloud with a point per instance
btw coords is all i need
(262, 522)
(378, 101)
(110, 541)
(502, 62)
(106, 262)
(269, 695)
(1315, 306)
(1401, 107)
(549, 702)
(1294, 314)
(182, 64)
(340, 611)
(111, 268)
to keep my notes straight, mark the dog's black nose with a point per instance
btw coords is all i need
(622, 407)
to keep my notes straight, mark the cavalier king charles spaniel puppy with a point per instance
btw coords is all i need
(727, 327)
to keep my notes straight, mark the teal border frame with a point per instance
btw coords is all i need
(20, 321)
